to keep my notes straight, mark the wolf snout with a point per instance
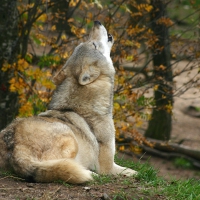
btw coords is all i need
(97, 23)
(110, 37)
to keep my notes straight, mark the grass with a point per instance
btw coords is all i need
(182, 163)
(148, 185)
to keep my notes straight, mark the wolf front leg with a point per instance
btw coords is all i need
(106, 157)
(105, 133)
(107, 164)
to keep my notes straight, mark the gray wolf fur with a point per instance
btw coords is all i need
(76, 135)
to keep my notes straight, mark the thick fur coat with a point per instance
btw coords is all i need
(76, 135)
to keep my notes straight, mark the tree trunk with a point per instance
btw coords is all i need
(160, 124)
(8, 41)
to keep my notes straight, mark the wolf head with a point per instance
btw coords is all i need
(89, 59)
(85, 83)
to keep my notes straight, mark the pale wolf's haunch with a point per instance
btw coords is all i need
(76, 135)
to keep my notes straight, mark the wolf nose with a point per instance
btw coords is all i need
(97, 22)
(110, 37)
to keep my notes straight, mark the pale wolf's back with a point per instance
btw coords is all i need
(43, 155)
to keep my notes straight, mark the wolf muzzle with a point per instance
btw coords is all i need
(97, 23)
(110, 37)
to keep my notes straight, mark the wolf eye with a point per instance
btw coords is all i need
(94, 45)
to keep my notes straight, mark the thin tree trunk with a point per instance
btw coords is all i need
(160, 124)
(8, 41)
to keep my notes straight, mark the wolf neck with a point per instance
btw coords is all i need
(88, 101)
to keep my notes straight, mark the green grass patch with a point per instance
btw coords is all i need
(151, 186)
(6, 173)
(103, 179)
(182, 163)
(197, 109)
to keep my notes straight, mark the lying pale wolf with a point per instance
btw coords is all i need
(76, 135)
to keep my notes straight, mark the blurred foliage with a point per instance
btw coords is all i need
(56, 27)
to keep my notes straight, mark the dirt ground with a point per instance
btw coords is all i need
(185, 128)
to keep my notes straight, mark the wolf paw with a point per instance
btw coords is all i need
(123, 171)
(129, 172)
(94, 174)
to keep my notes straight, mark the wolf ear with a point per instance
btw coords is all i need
(88, 75)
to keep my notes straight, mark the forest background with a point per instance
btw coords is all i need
(151, 39)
